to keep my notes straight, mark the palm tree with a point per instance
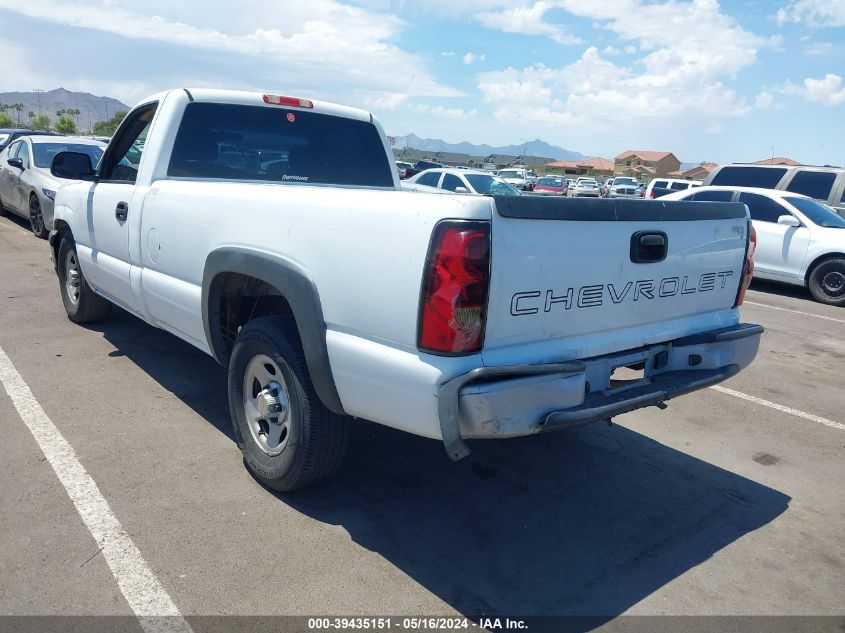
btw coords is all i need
(75, 114)
(18, 107)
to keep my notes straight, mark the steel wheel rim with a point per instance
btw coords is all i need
(833, 283)
(266, 403)
(73, 278)
(36, 220)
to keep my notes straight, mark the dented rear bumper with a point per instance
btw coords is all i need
(514, 400)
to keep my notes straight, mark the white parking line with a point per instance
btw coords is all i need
(780, 407)
(148, 599)
(818, 316)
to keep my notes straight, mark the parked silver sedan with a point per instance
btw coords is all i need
(27, 188)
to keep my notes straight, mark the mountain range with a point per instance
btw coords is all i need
(536, 147)
(91, 108)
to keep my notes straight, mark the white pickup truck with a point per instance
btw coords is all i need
(271, 232)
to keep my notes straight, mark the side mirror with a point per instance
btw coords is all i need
(15, 162)
(73, 166)
(788, 220)
(461, 190)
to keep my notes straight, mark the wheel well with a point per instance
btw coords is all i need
(818, 261)
(61, 228)
(243, 298)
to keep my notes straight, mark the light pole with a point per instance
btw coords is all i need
(38, 92)
(773, 155)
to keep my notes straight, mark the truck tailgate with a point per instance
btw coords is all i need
(567, 270)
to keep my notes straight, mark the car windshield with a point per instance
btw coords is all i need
(818, 213)
(589, 183)
(490, 185)
(550, 182)
(509, 174)
(4, 138)
(625, 181)
(43, 153)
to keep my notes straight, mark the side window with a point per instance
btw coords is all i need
(660, 183)
(121, 160)
(429, 179)
(762, 177)
(762, 208)
(23, 154)
(714, 196)
(679, 186)
(451, 182)
(816, 184)
(13, 150)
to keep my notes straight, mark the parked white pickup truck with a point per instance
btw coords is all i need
(271, 232)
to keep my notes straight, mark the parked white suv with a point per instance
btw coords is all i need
(799, 240)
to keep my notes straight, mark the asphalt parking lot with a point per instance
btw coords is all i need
(719, 505)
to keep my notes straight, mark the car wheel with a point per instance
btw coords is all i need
(36, 218)
(81, 303)
(827, 282)
(288, 438)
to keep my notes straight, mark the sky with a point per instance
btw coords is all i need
(736, 80)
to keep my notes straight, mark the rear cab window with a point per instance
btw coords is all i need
(748, 176)
(815, 184)
(269, 143)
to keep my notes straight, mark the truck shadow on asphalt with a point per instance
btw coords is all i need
(583, 523)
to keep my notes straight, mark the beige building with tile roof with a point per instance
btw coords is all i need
(777, 160)
(586, 167)
(645, 164)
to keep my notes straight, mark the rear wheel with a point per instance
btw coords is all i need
(827, 282)
(81, 303)
(289, 440)
(36, 218)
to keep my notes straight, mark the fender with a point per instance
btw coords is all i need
(294, 284)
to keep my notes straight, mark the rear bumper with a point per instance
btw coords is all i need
(509, 401)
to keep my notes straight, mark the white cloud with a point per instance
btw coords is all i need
(813, 13)
(352, 48)
(611, 50)
(764, 100)
(527, 20)
(826, 91)
(469, 58)
(687, 53)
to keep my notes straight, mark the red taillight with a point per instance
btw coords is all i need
(453, 303)
(291, 102)
(748, 267)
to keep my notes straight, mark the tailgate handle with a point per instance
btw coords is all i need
(648, 247)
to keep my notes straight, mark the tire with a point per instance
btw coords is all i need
(81, 303)
(827, 282)
(300, 446)
(36, 218)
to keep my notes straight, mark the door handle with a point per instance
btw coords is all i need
(121, 211)
(649, 246)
